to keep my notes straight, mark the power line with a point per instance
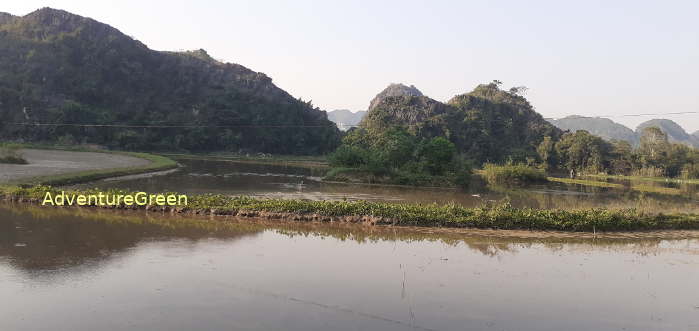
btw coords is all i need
(289, 126)
(627, 115)
(167, 126)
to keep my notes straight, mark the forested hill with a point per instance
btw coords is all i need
(486, 124)
(57, 67)
(602, 127)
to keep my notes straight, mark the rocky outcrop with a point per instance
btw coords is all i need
(394, 90)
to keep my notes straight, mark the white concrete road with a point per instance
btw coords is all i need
(50, 162)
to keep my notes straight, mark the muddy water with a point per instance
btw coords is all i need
(64, 269)
(289, 181)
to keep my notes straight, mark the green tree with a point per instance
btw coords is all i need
(547, 153)
(583, 152)
(437, 154)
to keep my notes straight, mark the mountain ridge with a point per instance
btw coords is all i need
(65, 68)
(610, 130)
(674, 131)
(602, 127)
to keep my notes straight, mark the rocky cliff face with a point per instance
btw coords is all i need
(58, 67)
(394, 90)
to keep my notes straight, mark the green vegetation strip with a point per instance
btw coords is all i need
(451, 215)
(657, 189)
(648, 179)
(157, 163)
(585, 182)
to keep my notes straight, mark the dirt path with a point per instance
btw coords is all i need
(51, 162)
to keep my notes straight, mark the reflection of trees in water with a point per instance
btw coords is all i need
(59, 238)
(491, 242)
(41, 239)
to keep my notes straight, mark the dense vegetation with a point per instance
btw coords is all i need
(499, 129)
(612, 131)
(495, 217)
(57, 67)
(486, 125)
(395, 156)
(581, 152)
(509, 174)
(9, 153)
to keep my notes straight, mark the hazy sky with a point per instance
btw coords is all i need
(583, 57)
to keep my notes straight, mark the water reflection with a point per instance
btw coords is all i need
(136, 271)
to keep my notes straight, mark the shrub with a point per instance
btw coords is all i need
(10, 154)
(649, 171)
(347, 156)
(690, 171)
(513, 174)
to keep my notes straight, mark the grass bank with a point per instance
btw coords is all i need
(157, 163)
(585, 182)
(309, 161)
(451, 215)
(648, 179)
(394, 178)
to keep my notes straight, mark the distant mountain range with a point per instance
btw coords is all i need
(611, 130)
(602, 127)
(346, 119)
(61, 68)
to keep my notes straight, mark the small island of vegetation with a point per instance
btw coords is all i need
(502, 216)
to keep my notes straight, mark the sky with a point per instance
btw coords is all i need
(593, 58)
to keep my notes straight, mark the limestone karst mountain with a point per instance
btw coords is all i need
(486, 124)
(61, 68)
(674, 131)
(602, 127)
(394, 90)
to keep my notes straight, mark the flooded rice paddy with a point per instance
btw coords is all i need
(83, 269)
(292, 181)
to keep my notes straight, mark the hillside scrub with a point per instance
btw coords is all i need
(502, 216)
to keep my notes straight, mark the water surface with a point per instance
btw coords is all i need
(68, 269)
(291, 181)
